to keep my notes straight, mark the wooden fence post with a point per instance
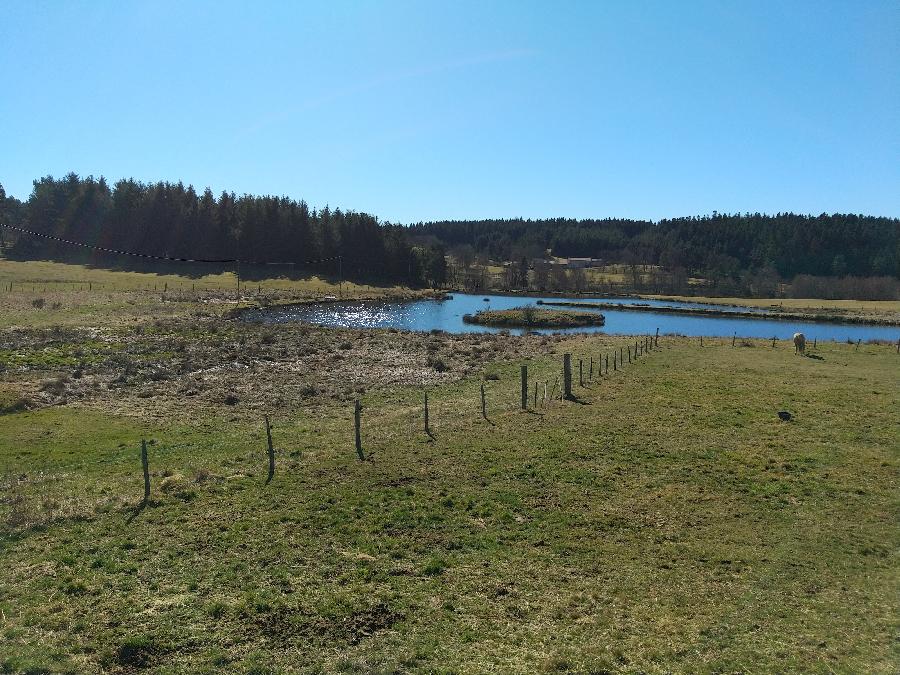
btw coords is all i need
(427, 428)
(567, 376)
(483, 403)
(657, 338)
(857, 344)
(814, 342)
(580, 372)
(591, 371)
(615, 363)
(535, 394)
(773, 342)
(629, 353)
(622, 356)
(271, 450)
(701, 340)
(356, 410)
(524, 387)
(733, 338)
(606, 358)
(145, 465)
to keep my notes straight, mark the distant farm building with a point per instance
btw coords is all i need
(580, 263)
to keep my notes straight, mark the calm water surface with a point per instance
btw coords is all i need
(426, 315)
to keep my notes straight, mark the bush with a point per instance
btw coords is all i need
(137, 651)
(308, 390)
(55, 386)
(438, 364)
(435, 566)
(15, 406)
(38, 303)
(528, 315)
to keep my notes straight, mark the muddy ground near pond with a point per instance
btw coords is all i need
(188, 366)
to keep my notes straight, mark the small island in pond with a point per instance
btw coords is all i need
(530, 317)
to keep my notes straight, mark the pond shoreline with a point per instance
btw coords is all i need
(695, 311)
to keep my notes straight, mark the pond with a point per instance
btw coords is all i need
(447, 315)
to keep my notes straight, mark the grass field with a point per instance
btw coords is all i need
(47, 293)
(666, 522)
(866, 308)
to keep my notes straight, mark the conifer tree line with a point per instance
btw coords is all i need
(733, 251)
(835, 245)
(169, 219)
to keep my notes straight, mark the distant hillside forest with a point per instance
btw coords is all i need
(169, 219)
(829, 256)
(840, 255)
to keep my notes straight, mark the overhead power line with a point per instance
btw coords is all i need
(167, 258)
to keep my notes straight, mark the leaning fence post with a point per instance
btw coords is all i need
(483, 404)
(567, 376)
(271, 450)
(524, 387)
(145, 465)
(356, 410)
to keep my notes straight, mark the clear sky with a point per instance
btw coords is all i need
(427, 110)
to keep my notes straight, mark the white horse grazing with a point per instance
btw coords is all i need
(799, 343)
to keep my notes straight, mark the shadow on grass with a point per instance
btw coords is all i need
(137, 510)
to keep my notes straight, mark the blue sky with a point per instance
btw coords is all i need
(425, 110)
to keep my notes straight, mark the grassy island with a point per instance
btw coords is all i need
(529, 317)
